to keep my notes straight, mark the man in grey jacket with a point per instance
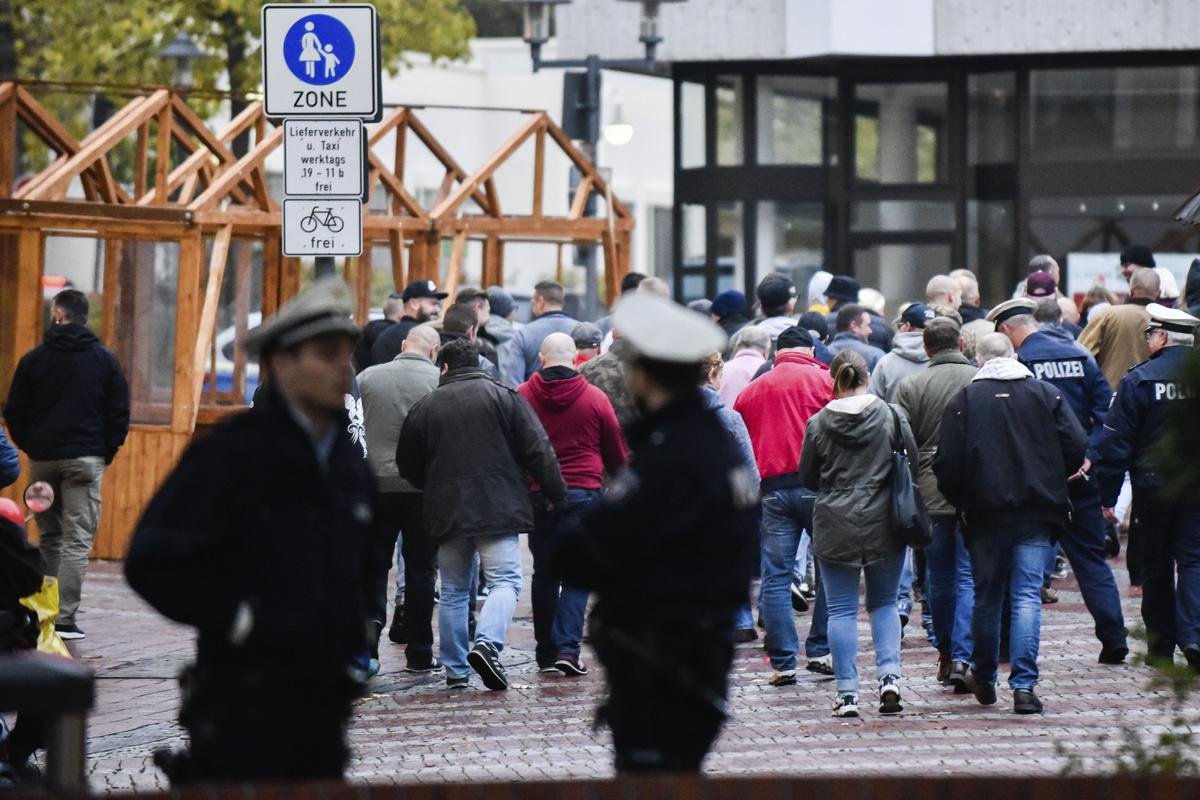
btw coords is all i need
(924, 397)
(549, 317)
(389, 391)
(908, 352)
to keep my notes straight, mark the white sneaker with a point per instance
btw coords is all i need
(822, 665)
(889, 695)
(846, 705)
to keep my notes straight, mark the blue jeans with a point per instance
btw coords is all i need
(1083, 545)
(786, 513)
(817, 643)
(1014, 559)
(841, 593)
(558, 608)
(951, 588)
(500, 560)
(904, 602)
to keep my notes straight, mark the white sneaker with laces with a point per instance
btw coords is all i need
(889, 695)
(846, 705)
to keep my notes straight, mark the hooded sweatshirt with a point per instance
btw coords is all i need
(581, 424)
(908, 357)
(68, 398)
(847, 461)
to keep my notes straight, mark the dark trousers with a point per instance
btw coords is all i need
(558, 608)
(667, 688)
(1083, 545)
(405, 511)
(1171, 540)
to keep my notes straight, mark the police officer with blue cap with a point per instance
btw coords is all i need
(1074, 372)
(1169, 525)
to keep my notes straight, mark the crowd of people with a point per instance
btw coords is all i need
(660, 460)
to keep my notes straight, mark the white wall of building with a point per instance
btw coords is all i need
(729, 30)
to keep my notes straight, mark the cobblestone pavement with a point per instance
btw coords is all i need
(410, 729)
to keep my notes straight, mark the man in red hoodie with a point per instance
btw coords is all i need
(776, 408)
(585, 434)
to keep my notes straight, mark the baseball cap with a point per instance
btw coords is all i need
(417, 289)
(916, 314)
(1041, 284)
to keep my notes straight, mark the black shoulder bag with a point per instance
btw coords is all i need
(910, 519)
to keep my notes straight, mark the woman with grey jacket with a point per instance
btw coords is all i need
(847, 461)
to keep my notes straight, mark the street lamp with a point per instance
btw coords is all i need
(618, 131)
(183, 51)
(537, 33)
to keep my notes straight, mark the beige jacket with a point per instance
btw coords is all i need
(1117, 339)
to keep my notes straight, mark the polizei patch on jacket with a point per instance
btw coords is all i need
(1170, 390)
(1052, 370)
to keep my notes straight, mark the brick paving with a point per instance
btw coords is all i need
(409, 729)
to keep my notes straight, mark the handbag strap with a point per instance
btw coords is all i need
(897, 436)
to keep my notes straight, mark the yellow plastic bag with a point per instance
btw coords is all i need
(44, 603)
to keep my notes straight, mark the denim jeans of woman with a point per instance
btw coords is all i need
(840, 583)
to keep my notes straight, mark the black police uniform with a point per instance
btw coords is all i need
(1074, 372)
(669, 551)
(1169, 527)
(253, 517)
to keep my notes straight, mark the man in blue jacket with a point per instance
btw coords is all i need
(549, 317)
(1171, 526)
(10, 463)
(1074, 373)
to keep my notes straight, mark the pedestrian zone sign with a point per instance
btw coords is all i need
(317, 226)
(320, 60)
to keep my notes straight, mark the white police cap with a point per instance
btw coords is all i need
(1171, 319)
(659, 329)
(1011, 308)
(323, 307)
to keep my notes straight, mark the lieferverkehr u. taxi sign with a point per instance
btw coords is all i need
(320, 60)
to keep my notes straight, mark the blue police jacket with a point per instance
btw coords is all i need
(1139, 412)
(1075, 373)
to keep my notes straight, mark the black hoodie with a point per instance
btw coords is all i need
(68, 398)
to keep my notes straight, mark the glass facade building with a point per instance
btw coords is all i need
(896, 169)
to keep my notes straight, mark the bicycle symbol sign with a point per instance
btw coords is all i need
(318, 226)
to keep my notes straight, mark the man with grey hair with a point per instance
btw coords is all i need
(751, 346)
(1013, 501)
(389, 391)
(1117, 337)
(1169, 525)
(1074, 373)
(994, 345)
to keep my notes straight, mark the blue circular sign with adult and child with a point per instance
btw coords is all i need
(318, 49)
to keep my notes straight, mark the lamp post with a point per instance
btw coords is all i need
(537, 33)
(183, 51)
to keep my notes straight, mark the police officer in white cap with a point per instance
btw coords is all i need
(668, 550)
(1168, 525)
(261, 540)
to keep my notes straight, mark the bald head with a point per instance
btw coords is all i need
(654, 286)
(1145, 284)
(558, 350)
(423, 340)
(943, 290)
(994, 345)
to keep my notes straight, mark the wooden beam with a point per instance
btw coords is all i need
(103, 139)
(229, 178)
(141, 160)
(583, 164)
(471, 185)
(539, 171)
(8, 138)
(208, 316)
(396, 245)
(454, 272)
(112, 290)
(398, 118)
(493, 198)
(162, 155)
(579, 202)
(397, 189)
(241, 122)
(493, 261)
(441, 154)
(187, 322)
(27, 302)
